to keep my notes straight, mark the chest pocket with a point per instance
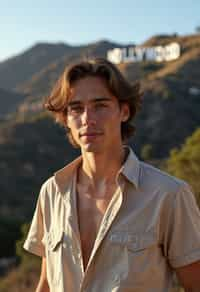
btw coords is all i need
(138, 257)
(53, 241)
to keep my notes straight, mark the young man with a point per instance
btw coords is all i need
(107, 221)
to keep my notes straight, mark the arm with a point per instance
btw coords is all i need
(43, 283)
(189, 277)
(181, 233)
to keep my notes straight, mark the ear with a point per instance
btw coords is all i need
(125, 112)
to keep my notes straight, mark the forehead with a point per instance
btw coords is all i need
(88, 88)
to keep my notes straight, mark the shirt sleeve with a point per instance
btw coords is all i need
(182, 235)
(33, 242)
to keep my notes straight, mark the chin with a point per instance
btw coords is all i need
(91, 147)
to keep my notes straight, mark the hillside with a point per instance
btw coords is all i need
(185, 69)
(10, 101)
(16, 71)
(30, 152)
(20, 68)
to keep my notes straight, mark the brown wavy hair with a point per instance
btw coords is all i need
(57, 101)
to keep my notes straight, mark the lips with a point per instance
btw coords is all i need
(90, 134)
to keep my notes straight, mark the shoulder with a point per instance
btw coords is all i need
(154, 178)
(61, 179)
(48, 185)
(48, 192)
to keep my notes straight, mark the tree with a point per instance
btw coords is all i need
(185, 162)
(146, 152)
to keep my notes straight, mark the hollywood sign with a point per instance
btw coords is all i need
(138, 54)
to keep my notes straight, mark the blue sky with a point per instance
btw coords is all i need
(25, 22)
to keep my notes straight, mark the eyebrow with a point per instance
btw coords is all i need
(76, 102)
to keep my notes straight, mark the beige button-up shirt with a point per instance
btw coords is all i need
(152, 225)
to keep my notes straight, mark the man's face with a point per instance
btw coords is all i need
(94, 116)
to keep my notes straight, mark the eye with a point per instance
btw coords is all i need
(75, 109)
(100, 105)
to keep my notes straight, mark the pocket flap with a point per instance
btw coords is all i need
(134, 241)
(52, 239)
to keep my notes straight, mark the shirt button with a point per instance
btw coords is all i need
(77, 256)
(116, 278)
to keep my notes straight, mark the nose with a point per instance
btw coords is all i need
(88, 116)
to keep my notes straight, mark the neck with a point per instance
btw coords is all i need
(98, 168)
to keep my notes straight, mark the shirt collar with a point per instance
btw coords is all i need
(64, 176)
(130, 169)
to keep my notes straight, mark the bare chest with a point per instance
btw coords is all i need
(90, 212)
